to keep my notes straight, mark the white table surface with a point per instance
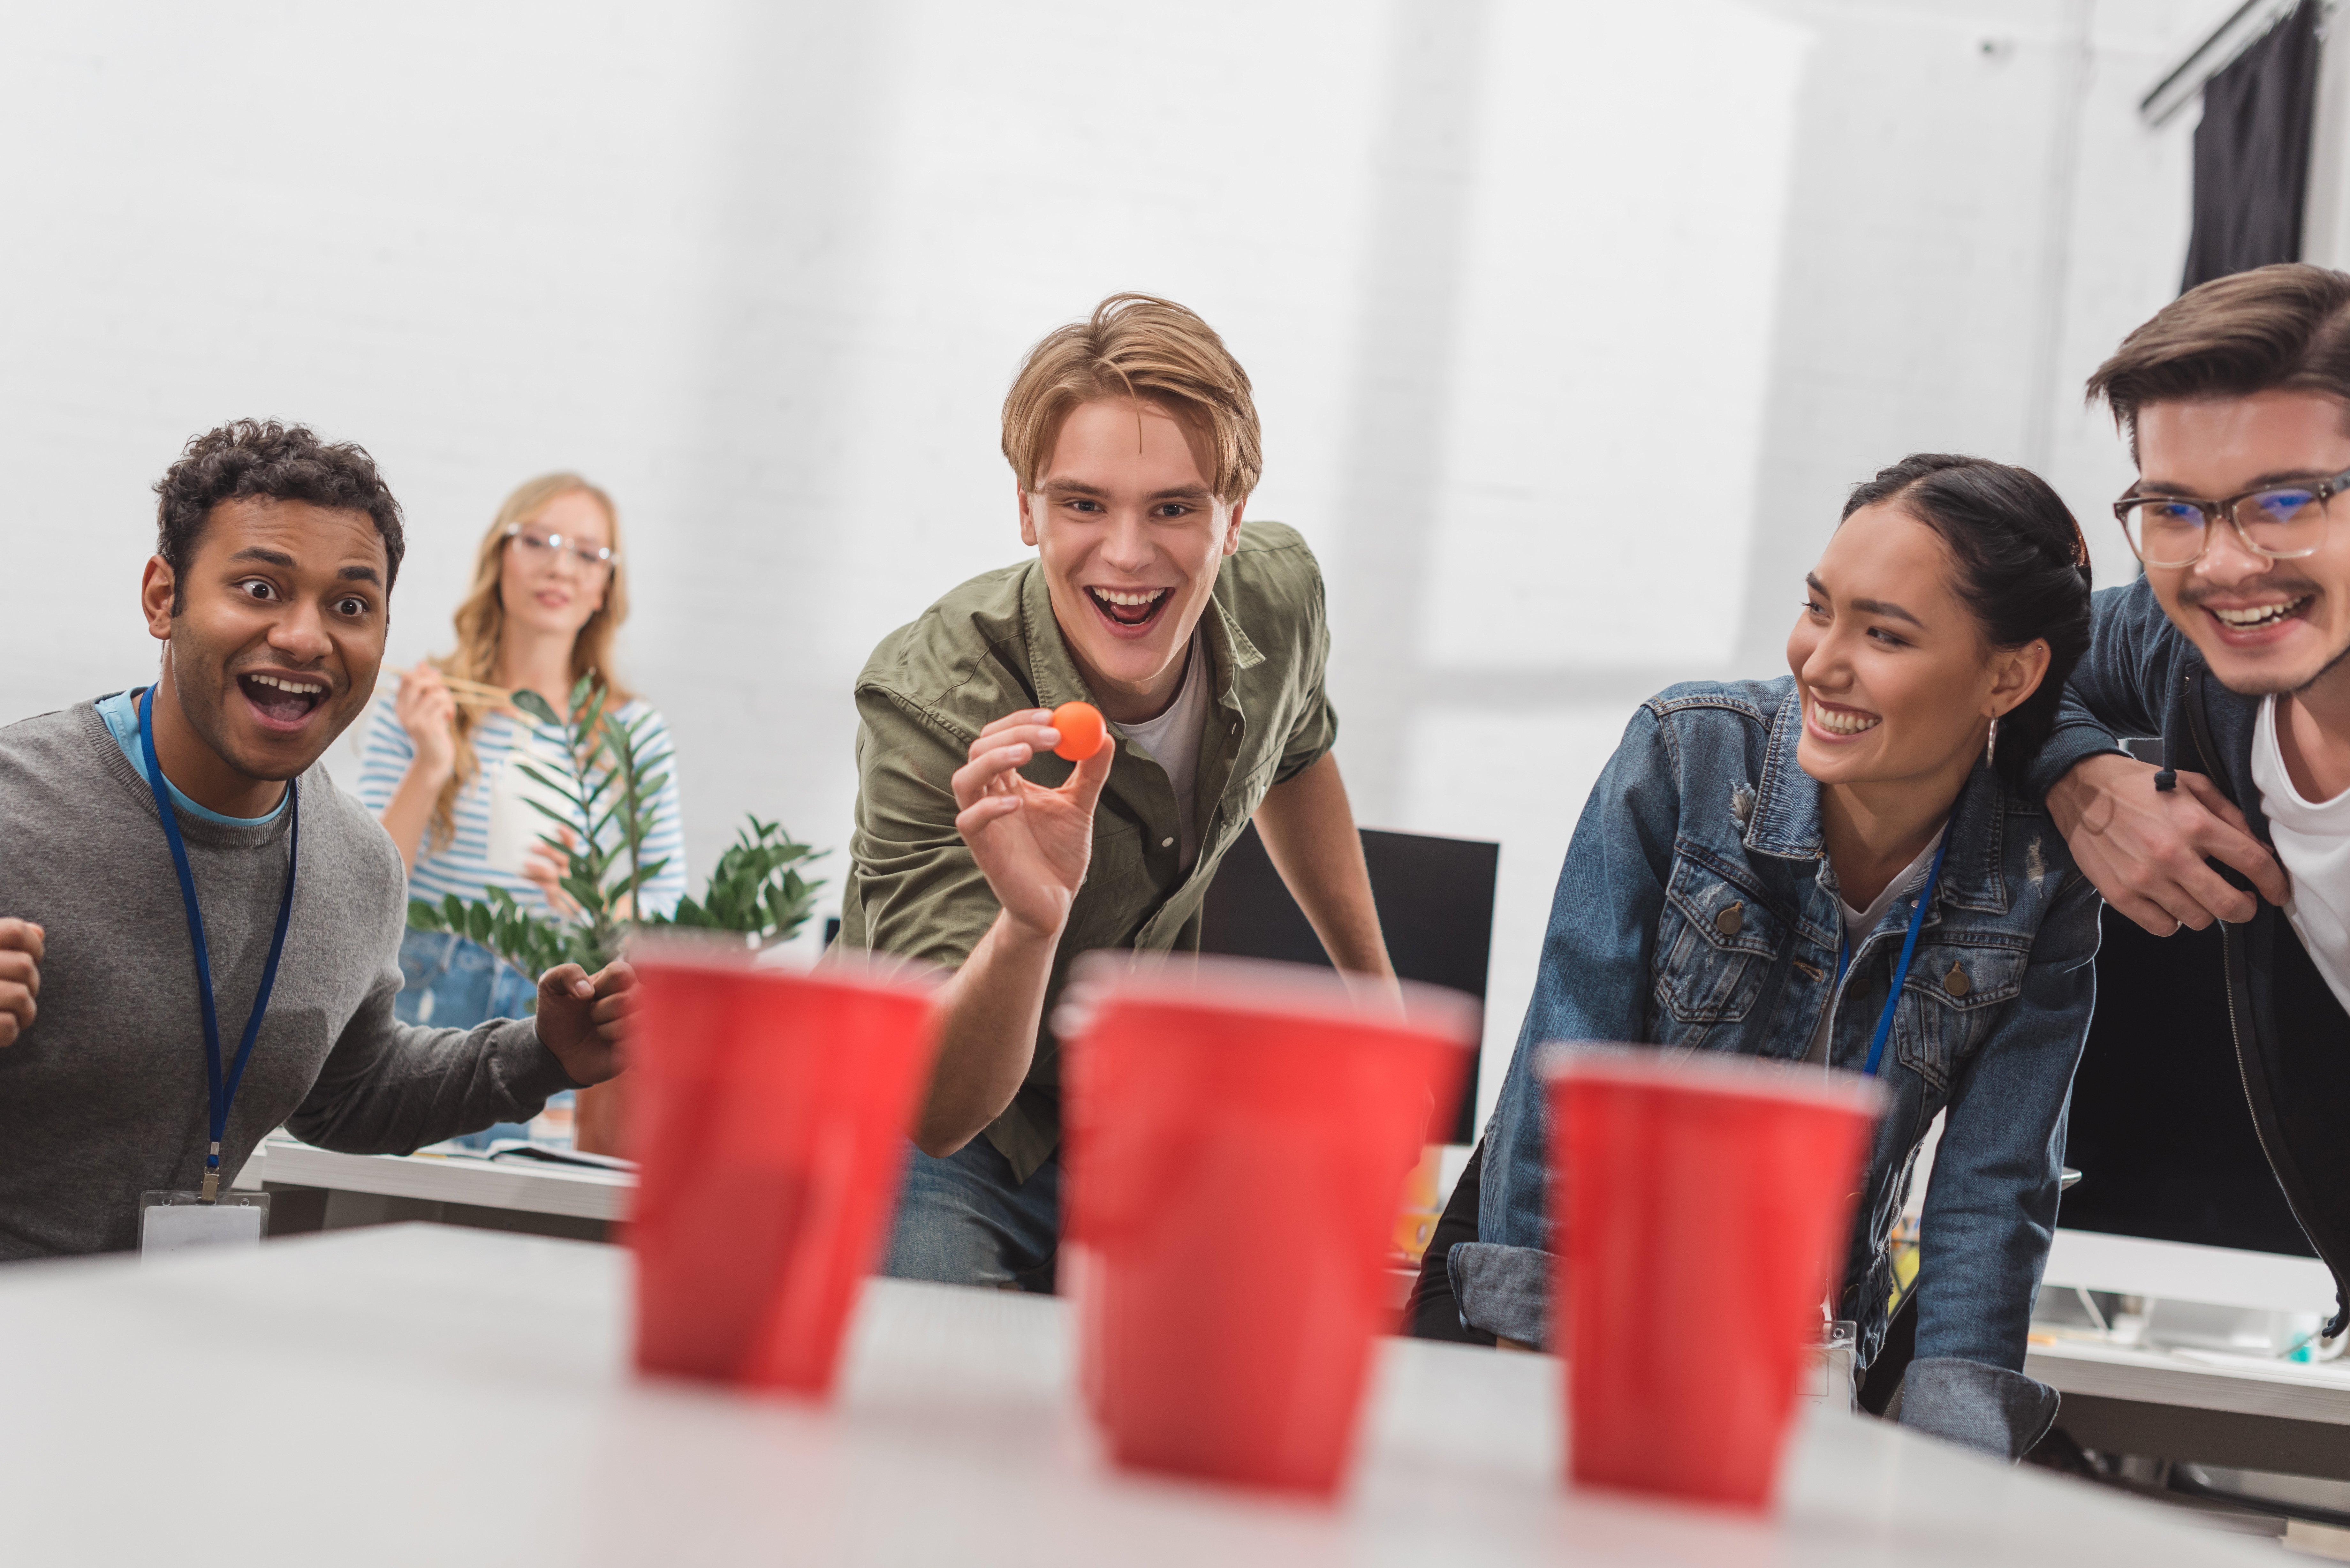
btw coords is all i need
(534, 1187)
(427, 1394)
(2244, 1385)
(2201, 1380)
(2174, 1271)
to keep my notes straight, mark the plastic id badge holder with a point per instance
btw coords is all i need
(186, 1222)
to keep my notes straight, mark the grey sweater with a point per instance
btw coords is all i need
(104, 1097)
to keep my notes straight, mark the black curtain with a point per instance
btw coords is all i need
(2251, 153)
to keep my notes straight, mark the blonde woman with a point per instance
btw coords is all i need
(446, 779)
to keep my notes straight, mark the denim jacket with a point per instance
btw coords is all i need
(1704, 810)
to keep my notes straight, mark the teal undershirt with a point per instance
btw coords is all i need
(121, 712)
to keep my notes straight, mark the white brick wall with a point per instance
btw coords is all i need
(1570, 322)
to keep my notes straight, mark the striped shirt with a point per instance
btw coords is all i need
(495, 825)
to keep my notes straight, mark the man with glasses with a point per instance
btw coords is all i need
(2234, 647)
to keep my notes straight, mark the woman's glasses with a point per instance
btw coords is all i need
(539, 546)
(2283, 522)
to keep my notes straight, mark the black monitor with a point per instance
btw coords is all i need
(1435, 898)
(2160, 1131)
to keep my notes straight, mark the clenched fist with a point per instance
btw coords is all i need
(21, 943)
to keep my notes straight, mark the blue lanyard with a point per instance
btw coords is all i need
(1901, 969)
(222, 1090)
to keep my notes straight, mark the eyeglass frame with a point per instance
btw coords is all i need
(2324, 490)
(605, 556)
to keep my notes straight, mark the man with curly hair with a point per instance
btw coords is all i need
(199, 934)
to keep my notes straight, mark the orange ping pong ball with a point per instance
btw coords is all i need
(1082, 731)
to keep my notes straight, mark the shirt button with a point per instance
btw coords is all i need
(1166, 844)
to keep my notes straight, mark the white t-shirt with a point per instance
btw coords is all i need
(1173, 739)
(2313, 842)
(1858, 923)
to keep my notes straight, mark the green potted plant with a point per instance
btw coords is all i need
(755, 896)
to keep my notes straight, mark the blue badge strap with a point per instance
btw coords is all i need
(221, 1088)
(1901, 969)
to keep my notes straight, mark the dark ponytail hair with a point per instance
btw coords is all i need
(2023, 569)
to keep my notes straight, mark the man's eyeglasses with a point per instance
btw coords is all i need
(2282, 522)
(538, 545)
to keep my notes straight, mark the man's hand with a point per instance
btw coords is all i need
(2145, 848)
(1033, 845)
(1033, 842)
(21, 946)
(584, 1019)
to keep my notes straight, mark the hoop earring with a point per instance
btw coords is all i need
(1991, 747)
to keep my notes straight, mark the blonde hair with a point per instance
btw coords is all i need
(1153, 351)
(481, 621)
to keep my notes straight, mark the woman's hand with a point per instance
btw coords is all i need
(1033, 842)
(545, 869)
(428, 714)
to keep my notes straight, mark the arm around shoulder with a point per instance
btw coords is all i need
(2146, 847)
(2118, 686)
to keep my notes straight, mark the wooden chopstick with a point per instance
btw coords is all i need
(472, 694)
(457, 682)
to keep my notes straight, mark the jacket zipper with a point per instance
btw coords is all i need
(2195, 726)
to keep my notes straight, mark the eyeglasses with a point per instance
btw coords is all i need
(2282, 522)
(538, 545)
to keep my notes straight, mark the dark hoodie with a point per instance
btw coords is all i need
(2143, 677)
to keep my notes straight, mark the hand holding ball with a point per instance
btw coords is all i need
(1034, 841)
(1082, 730)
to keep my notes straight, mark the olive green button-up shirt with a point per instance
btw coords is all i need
(992, 646)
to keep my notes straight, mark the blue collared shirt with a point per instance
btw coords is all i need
(121, 712)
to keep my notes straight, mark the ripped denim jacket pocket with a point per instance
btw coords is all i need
(1715, 946)
(1952, 1001)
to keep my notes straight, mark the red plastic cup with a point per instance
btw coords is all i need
(1237, 1137)
(1701, 1209)
(769, 1117)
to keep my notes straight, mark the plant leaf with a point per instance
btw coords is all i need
(552, 814)
(558, 786)
(537, 707)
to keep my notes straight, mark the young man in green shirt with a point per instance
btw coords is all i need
(1135, 443)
